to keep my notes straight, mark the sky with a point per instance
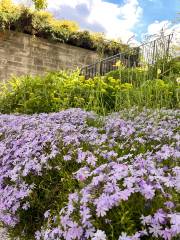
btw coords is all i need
(128, 20)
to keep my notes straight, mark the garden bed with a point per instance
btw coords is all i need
(77, 175)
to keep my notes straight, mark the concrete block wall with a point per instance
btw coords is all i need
(24, 54)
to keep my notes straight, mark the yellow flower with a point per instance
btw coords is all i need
(118, 64)
(159, 71)
(178, 80)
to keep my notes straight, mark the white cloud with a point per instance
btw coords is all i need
(117, 21)
(168, 27)
(156, 27)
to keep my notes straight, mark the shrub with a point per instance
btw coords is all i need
(40, 4)
(36, 94)
(63, 90)
(81, 39)
(9, 13)
(132, 75)
(107, 47)
(74, 175)
(174, 65)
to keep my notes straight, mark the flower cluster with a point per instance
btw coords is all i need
(127, 175)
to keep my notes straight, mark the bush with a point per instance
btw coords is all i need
(9, 13)
(37, 94)
(74, 175)
(81, 39)
(132, 75)
(57, 91)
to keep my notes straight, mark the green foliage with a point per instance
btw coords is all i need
(35, 94)
(9, 13)
(166, 67)
(153, 94)
(62, 90)
(40, 4)
(107, 48)
(52, 190)
(131, 75)
(175, 65)
(81, 39)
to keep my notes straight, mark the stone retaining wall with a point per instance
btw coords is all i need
(24, 54)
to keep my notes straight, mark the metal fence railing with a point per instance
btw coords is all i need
(156, 49)
(109, 64)
(149, 52)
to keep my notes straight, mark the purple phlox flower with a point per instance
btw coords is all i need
(125, 194)
(73, 197)
(110, 187)
(82, 174)
(109, 155)
(81, 156)
(46, 234)
(91, 159)
(8, 219)
(103, 204)
(29, 144)
(159, 217)
(56, 233)
(168, 181)
(74, 232)
(146, 220)
(86, 196)
(98, 179)
(26, 206)
(99, 235)
(99, 169)
(66, 221)
(67, 158)
(124, 236)
(90, 232)
(155, 230)
(137, 236)
(129, 182)
(165, 152)
(147, 190)
(176, 171)
(167, 234)
(119, 171)
(47, 214)
(38, 235)
(175, 222)
(119, 128)
(85, 214)
(140, 140)
(125, 157)
(169, 204)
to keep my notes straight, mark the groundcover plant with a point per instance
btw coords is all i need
(76, 175)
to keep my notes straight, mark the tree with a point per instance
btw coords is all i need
(40, 4)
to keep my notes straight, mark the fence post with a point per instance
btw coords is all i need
(153, 56)
(100, 68)
(168, 46)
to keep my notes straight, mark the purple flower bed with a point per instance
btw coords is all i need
(75, 175)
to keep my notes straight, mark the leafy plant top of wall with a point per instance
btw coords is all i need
(41, 23)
